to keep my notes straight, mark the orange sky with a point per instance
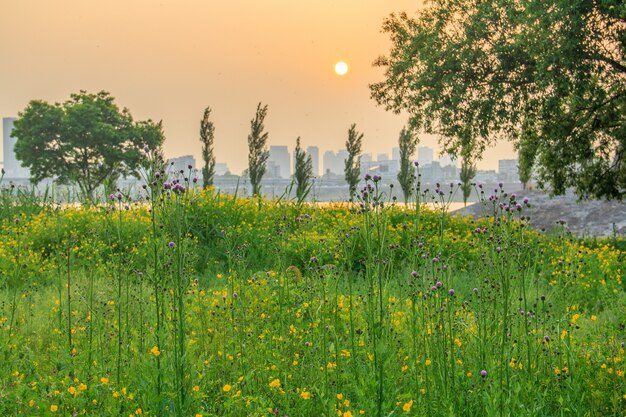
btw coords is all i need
(169, 59)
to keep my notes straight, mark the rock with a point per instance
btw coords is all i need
(582, 218)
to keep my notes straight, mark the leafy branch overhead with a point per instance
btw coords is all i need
(550, 76)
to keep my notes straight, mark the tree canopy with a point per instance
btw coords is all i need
(85, 140)
(550, 76)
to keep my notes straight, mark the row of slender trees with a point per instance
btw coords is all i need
(89, 141)
(303, 169)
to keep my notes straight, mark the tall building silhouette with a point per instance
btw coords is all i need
(12, 166)
(424, 155)
(314, 152)
(279, 162)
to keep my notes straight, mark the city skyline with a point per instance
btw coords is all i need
(169, 60)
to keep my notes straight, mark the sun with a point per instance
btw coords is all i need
(341, 68)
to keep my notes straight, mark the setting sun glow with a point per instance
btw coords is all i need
(341, 68)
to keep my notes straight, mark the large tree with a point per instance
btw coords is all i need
(257, 149)
(207, 133)
(352, 168)
(85, 140)
(549, 75)
(407, 142)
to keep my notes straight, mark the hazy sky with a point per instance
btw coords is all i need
(167, 60)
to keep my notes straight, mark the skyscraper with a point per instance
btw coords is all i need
(12, 166)
(279, 157)
(424, 155)
(395, 154)
(314, 152)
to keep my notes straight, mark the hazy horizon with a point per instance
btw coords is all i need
(169, 60)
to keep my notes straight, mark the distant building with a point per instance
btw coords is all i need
(508, 170)
(279, 162)
(395, 154)
(272, 169)
(221, 168)
(445, 160)
(181, 163)
(424, 155)
(314, 153)
(335, 163)
(366, 158)
(12, 167)
(382, 157)
(488, 176)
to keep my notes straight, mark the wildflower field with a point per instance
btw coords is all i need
(196, 303)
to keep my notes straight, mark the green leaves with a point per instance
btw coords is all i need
(85, 140)
(485, 71)
(257, 147)
(352, 169)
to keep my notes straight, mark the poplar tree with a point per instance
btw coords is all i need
(406, 176)
(352, 169)
(303, 172)
(257, 149)
(207, 132)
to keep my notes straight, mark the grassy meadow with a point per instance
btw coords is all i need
(196, 303)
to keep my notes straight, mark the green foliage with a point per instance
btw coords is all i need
(468, 172)
(207, 134)
(85, 140)
(527, 154)
(490, 70)
(257, 149)
(303, 172)
(352, 170)
(303, 310)
(406, 176)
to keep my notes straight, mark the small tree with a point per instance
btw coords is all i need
(353, 163)
(303, 172)
(527, 149)
(468, 172)
(257, 149)
(406, 176)
(207, 132)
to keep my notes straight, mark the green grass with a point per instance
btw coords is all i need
(262, 308)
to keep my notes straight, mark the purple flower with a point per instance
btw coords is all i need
(367, 177)
(313, 259)
(17, 220)
(167, 185)
(546, 338)
(451, 291)
(483, 373)
(525, 200)
(414, 274)
(146, 148)
(195, 180)
(475, 290)
(171, 244)
(439, 284)
(376, 178)
(433, 288)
